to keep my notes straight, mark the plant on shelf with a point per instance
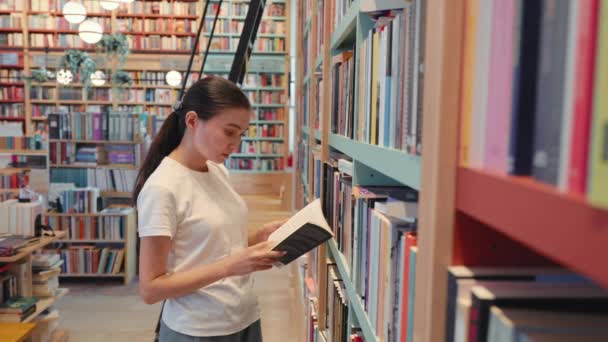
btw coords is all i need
(114, 45)
(119, 80)
(79, 62)
(40, 76)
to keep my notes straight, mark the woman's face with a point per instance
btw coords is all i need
(220, 136)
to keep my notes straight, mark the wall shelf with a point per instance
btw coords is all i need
(552, 223)
(398, 165)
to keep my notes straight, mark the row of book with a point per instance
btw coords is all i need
(390, 86)
(134, 26)
(244, 164)
(98, 126)
(61, 40)
(158, 42)
(267, 97)
(87, 154)
(110, 228)
(261, 147)
(46, 22)
(263, 80)
(262, 44)
(20, 142)
(12, 5)
(11, 39)
(12, 93)
(106, 180)
(11, 75)
(10, 21)
(19, 217)
(168, 8)
(167, 96)
(45, 93)
(88, 259)
(13, 180)
(79, 200)
(271, 114)
(266, 131)
(151, 78)
(540, 111)
(270, 10)
(12, 110)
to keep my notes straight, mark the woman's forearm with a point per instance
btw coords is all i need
(183, 283)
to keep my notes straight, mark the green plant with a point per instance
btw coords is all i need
(122, 78)
(79, 63)
(40, 75)
(114, 45)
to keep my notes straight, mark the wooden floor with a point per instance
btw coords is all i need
(112, 312)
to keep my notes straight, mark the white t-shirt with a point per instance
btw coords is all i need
(206, 220)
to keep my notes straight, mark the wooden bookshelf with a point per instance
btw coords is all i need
(45, 303)
(43, 242)
(129, 244)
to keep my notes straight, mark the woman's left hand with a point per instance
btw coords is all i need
(264, 232)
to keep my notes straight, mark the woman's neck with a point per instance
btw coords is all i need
(190, 158)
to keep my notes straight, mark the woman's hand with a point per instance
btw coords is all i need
(258, 257)
(263, 233)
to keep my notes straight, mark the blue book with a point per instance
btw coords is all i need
(411, 294)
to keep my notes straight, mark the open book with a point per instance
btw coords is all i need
(304, 231)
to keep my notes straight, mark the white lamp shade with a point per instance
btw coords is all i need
(110, 4)
(173, 78)
(64, 76)
(98, 78)
(90, 31)
(128, 1)
(74, 12)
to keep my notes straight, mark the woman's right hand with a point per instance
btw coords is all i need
(254, 258)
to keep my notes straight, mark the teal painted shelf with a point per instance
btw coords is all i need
(305, 130)
(255, 155)
(355, 302)
(318, 134)
(305, 185)
(347, 28)
(398, 165)
(261, 139)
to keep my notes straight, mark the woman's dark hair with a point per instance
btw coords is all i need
(207, 97)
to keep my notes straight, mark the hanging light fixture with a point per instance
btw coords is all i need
(173, 78)
(127, 1)
(110, 5)
(90, 31)
(74, 12)
(98, 78)
(64, 77)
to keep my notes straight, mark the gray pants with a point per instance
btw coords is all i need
(252, 333)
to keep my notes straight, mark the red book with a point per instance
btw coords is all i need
(585, 65)
(411, 240)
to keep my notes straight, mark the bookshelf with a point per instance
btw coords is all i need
(78, 226)
(470, 213)
(154, 29)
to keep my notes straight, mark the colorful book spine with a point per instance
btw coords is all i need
(598, 168)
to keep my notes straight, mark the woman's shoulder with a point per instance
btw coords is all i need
(165, 176)
(220, 169)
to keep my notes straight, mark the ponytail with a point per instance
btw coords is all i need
(207, 97)
(167, 139)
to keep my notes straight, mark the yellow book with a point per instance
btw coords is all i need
(468, 75)
(374, 99)
(598, 168)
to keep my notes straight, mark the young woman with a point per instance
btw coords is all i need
(195, 252)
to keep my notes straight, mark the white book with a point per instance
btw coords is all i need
(304, 231)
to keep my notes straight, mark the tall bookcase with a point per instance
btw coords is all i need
(154, 29)
(469, 214)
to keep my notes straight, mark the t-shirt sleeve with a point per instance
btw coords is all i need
(157, 214)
